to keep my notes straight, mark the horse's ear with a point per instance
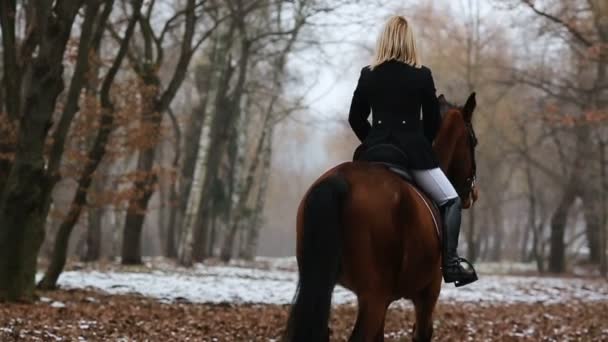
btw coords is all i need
(442, 99)
(469, 108)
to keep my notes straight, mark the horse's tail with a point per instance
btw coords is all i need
(319, 263)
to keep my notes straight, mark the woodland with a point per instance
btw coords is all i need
(187, 131)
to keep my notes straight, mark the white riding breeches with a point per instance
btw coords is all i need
(435, 184)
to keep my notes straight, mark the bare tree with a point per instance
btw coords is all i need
(147, 66)
(584, 92)
(95, 154)
(25, 197)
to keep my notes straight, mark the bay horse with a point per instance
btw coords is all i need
(362, 226)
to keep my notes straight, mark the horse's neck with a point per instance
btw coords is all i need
(445, 143)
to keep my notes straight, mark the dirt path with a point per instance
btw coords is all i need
(85, 315)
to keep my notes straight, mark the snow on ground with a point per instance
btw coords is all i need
(275, 282)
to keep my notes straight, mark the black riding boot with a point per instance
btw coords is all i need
(453, 271)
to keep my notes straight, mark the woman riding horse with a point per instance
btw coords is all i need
(395, 87)
(362, 226)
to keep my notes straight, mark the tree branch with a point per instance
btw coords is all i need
(122, 51)
(101, 25)
(184, 59)
(76, 85)
(576, 34)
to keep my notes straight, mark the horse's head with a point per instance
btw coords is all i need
(455, 146)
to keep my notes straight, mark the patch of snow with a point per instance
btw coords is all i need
(505, 267)
(285, 263)
(276, 284)
(53, 336)
(84, 324)
(57, 305)
(290, 263)
(527, 289)
(45, 299)
(397, 335)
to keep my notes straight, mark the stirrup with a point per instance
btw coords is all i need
(459, 283)
(473, 278)
(464, 279)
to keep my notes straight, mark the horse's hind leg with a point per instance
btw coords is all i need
(424, 304)
(370, 319)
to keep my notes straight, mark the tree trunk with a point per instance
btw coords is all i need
(538, 249)
(144, 189)
(131, 251)
(60, 248)
(93, 238)
(205, 162)
(210, 249)
(242, 210)
(12, 71)
(484, 246)
(471, 243)
(201, 225)
(558, 228)
(134, 222)
(221, 125)
(537, 228)
(146, 182)
(25, 198)
(593, 216)
(230, 240)
(79, 201)
(497, 239)
(62, 237)
(167, 228)
(94, 158)
(228, 111)
(251, 243)
(604, 208)
(525, 242)
(186, 240)
(7, 147)
(192, 148)
(170, 247)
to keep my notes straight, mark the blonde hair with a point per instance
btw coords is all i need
(396, 42)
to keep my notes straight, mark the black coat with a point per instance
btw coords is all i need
(395, 92)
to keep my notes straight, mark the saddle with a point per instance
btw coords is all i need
(396, 161)
(390, 156)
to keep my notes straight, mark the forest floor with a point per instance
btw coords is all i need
(159, 302)
(78, 315)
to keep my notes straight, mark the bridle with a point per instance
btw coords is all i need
(466, 189)
(469, 184)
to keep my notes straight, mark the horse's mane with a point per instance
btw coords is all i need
(445, 107)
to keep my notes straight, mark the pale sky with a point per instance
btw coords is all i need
(348, 36)
(351, 34)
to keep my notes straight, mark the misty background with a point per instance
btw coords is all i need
(524, 67)
(190, 129)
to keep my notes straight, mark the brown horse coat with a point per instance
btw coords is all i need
(362, 226)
